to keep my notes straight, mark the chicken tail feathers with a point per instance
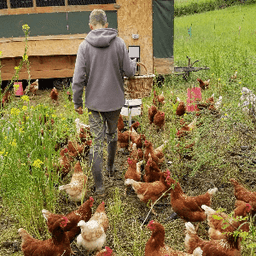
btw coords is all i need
(208, 210)
(190, 229)
(23, 233)
(198, 252)
(64, 187)
(212, 191)
(46, 214)
(129, 182)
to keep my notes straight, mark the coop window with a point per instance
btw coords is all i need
(21, 3)
(85, 2)
(3, 4)
(41, 3)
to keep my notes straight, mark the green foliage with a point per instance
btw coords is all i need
(182, 7)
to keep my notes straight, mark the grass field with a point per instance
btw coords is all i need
(223, 40)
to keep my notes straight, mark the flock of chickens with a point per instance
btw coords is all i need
(150, 183)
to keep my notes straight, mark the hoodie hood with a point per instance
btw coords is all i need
(101, 38)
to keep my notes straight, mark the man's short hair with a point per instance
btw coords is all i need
(98, 16)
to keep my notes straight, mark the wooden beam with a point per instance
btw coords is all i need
(9, 4)
(66, 2)
(52, 9)
(34, 4)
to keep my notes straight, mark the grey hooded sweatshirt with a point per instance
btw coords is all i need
(101, 63)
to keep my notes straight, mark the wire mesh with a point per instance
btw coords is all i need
(3, 4)
(86, 2)
(21, 3)
(42, 3)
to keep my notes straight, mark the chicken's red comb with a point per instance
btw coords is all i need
(66, 220)
(91, 199)
(249, 207)
(150, 224)
(108, 251)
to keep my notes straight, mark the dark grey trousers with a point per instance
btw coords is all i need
(102, 124)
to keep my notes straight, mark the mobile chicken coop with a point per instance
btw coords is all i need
(57, 27)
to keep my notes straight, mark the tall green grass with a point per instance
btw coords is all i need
(187, 7)
(222, 40)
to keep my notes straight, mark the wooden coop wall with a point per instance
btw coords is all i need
(135, 17)
(53, 55)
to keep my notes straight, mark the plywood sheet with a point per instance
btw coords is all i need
(41, 67)
(135, 17)
(41, 47)
(164, 66)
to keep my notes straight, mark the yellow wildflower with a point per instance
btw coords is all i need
(15, 111)
(25, 98)
(25, 27)
(16, 86)
(24, 108)
(2, 152)
(13, 143)
(37, 163)
(53, 115)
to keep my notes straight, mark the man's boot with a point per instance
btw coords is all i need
(111, 158)
(96, 166)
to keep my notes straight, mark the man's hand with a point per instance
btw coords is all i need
(79, 110)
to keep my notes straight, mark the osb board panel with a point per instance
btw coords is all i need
(40, 67)
(164, 66)
(41, 47)
(52, 9)
(135, 17)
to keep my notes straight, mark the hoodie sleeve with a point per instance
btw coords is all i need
(79, 77)
(129, 66)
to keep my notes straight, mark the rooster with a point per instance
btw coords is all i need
(58, 244)
(156, 246)
(76, 189)
(230, 246)
(54, 94)
(203, 84)
(83, 212)
(93, 232)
